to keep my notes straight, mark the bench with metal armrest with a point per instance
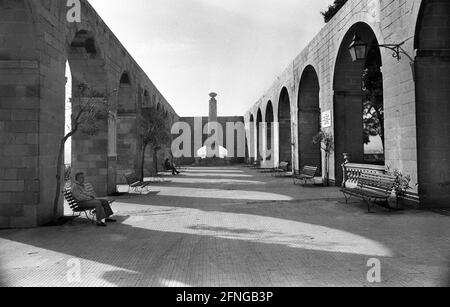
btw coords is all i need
(372, 188)
(135, 184)
(75, 207)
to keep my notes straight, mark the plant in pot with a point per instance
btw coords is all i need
(402, 183)
(326, 142)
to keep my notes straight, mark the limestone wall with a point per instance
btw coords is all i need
(391, 22)
(37, 40)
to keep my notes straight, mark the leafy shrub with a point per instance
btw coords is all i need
(333, 9)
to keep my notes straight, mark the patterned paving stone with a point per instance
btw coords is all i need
(232, 234)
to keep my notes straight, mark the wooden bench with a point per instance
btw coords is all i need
(74, 206)
(307, 174)
(282, 170)
(135, 184)
(372, 188)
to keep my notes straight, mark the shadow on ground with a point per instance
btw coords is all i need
(164, 240)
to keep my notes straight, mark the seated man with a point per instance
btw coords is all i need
(169, 167)
(86, 199)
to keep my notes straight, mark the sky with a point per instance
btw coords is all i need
(236, 48)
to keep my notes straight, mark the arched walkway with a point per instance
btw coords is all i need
(127, 143)
(269, 135)
(33, 55)
(259, 134)
(89, 154)
(354, 129)
(284, 119)
(309, 119)
(252, 139)
(432, 99)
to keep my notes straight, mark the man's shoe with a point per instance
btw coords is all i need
(101, 224)
(110, 221)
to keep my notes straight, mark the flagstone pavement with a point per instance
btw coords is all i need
(233, 226)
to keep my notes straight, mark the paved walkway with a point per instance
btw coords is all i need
(233, 226)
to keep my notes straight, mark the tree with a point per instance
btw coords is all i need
(327, 144)
(333, 10)
(373, 110)
(90, 108)
(154, 133)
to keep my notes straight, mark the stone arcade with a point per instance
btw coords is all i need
(323, 79)
(37, 41)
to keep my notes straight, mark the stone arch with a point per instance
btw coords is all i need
(32, 102)
(284, 127)
(259, 133)
(360, 18)
(269, 119)
(128, 153)
(18, 16)
(147, 100)
(349, 97)
(126, 104)
(309, 118)
(87, 66)
(432, 64)
(252, 138)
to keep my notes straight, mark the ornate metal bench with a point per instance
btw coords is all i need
(369, 183)
(307, 174)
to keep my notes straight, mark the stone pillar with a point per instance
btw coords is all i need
(263, 146)
(19, 139)
(112, 153)
(276, 144)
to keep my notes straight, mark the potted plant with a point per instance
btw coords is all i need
(402, 183)
(326, 141)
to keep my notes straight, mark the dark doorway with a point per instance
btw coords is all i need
(309, 119)
(284, 120)
(352, 103)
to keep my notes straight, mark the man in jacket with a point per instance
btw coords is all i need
(86, 198)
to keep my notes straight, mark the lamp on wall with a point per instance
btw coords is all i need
(358, 49)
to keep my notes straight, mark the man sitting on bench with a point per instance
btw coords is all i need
(87, 200)
(169, 167)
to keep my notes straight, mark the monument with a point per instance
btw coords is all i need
(213, 153)
(212, 108)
